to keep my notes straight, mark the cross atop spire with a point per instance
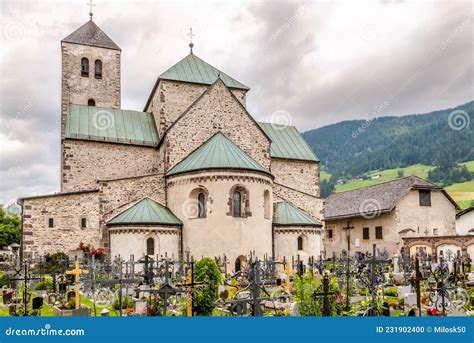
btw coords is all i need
(90, 8)
(191, 35)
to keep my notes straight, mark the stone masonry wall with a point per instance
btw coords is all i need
(300, 175)
(66, 211)
(172, 98)
(216, 111)
(77, 89)
(308, 203)
(85, 162)
(116, 195)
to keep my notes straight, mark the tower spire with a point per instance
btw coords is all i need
(90, 9)
(191, 35)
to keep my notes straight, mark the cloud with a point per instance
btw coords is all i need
(321, 62)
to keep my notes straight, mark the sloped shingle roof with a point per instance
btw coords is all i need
(218, 152)
(90, 34)
(287, 142)
(146, 211)
(111, 125)
(195, 70)
(285, 213)
(379, 198)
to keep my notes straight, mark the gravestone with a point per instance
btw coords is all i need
(410, 299)
(396, 267)
(403, 290)
(37, 303)
(71, 295)
(140, 307)
(104, 313)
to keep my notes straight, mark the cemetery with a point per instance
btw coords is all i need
(367, 284)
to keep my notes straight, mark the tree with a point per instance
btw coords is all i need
(206, 271)
(9, 228)
(400, 173)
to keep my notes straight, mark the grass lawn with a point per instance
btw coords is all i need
(324, 175)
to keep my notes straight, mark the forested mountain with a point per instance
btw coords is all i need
(350, 148)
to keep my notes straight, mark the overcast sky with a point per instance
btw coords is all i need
(315, 63)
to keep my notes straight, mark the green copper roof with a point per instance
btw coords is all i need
(284, 213)
(218, 152)
(193, 69)
(287, 142)
(146, 211)
(111, 125)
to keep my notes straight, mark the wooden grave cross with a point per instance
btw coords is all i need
(76, 272)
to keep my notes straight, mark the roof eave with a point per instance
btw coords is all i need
(220, 168)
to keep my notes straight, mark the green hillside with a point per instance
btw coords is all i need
(354, 147)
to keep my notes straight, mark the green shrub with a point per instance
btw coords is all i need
(391, 291)
(127, 302)
(207, 272)
(46, 285)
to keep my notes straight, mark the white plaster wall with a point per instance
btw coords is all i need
(465, 223)
(286, 242)
(220, 232)
(126, 241)
(440, 215)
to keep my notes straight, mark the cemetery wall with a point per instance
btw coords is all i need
(220, 232)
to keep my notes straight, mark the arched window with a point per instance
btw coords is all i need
(150, 246)
(266, 204)
(237, 204)
(300, 243)
(98, 69)
(91, 102)
(84, 67)
(201, 205)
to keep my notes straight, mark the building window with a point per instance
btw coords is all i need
(435, 232)
(378, 232)
(425, 197)
(330, 233)
(365, 233)
(238, 265)
(300, 243)
(91, 102)
(50, 222)
(84, 67)
(201, 205)
(83, 223)
(266, 204)
(237, 205)
(150, 246)
(98, 69)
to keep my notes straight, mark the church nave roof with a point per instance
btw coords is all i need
(287, 143)
(219, 152)
(111, 125)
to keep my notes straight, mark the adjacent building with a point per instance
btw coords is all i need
(386, 213)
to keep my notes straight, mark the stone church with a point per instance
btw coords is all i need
(191, 172)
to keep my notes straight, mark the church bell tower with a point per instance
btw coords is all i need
(90, 70)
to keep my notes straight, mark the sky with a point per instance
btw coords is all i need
(308, 63)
